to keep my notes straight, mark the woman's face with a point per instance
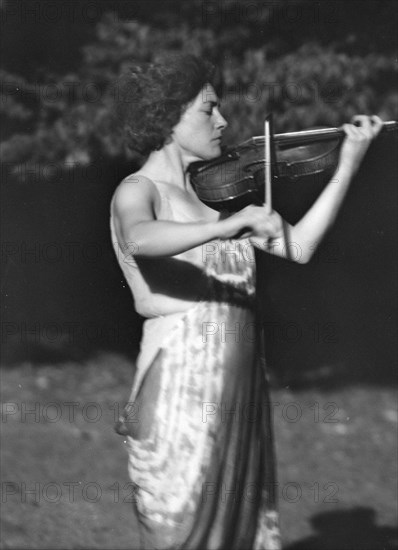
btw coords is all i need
(198, 133)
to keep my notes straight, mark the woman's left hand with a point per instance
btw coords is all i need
(359, 136)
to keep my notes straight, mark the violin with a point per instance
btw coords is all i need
(235, 179)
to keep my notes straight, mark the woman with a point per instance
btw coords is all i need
(197, 424)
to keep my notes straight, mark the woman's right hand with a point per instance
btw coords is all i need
(252, 221)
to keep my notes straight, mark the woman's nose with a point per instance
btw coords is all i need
(221, 122)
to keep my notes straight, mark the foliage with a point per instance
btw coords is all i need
(67, 119)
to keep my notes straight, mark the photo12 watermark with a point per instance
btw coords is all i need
(287, 332)
(54, 492)
(253, 493)
(51, 412)
(290, 412)
(52, 252)
(276, 15)
(56, 333)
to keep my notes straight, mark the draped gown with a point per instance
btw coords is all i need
(197, 424)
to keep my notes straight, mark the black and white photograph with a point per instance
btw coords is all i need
(199, 274)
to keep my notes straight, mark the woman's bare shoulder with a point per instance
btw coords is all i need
(134, 190)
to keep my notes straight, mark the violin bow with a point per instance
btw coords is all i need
(268, 168)
(269, 159)
(267, 163)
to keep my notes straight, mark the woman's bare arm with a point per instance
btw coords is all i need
(304, 237)
(138, 231)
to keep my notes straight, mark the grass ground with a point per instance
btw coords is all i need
(336, 461)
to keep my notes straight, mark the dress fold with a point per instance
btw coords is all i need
(201, 448)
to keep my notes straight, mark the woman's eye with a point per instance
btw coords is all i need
(208, 112)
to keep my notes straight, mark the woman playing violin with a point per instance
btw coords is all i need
(197, 427)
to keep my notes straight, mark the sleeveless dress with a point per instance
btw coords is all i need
(197, 424)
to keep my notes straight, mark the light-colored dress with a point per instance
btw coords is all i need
(197, 423)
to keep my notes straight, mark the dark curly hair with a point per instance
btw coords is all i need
(150, 98)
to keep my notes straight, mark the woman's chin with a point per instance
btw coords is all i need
(215, 152)
(209, 154)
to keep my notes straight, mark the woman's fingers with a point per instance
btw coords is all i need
(368, 125)
(266, 224)
(353, 132)
(377, 124)
(359, 136)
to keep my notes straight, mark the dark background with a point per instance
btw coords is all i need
(63, 294)
(69, 330)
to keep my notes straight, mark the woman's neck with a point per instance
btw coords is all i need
(168, 165)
